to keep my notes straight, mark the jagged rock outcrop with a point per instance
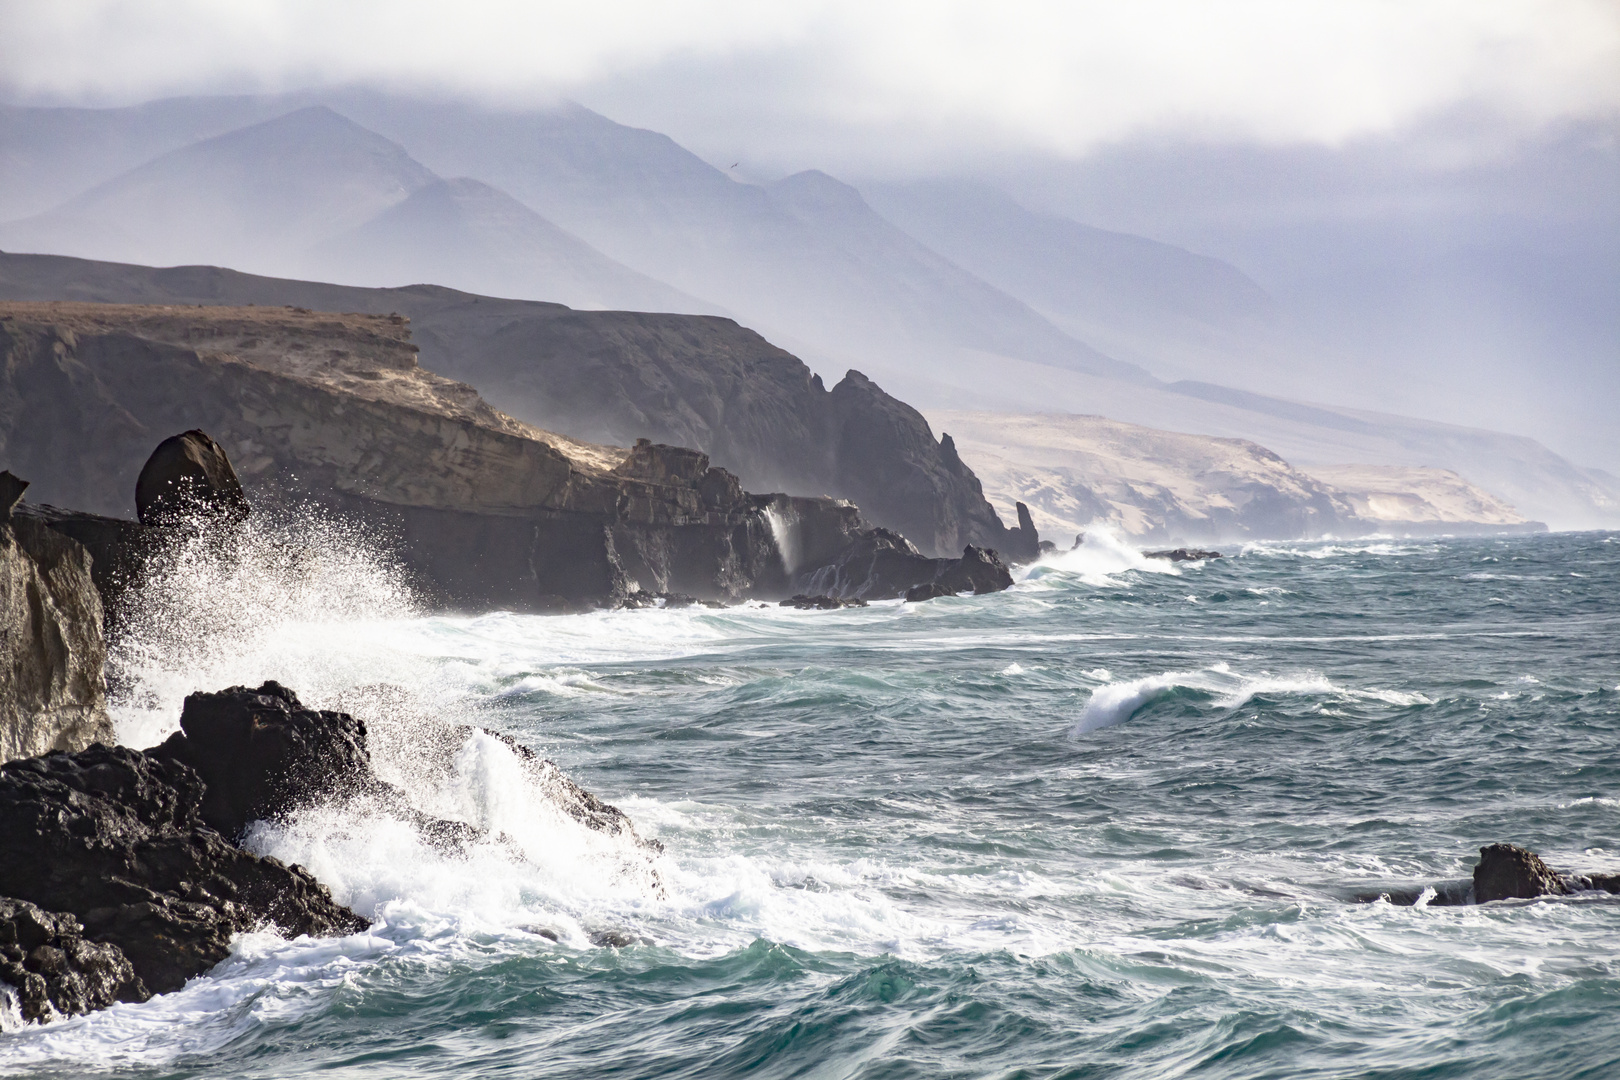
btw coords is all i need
(260, 753)
(116, 838)
(53, 695)
(188, 477)
(610, 376)
(881, 565)
(54, 970)
(334, 409)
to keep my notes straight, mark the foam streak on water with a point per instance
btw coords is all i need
(1107, 823)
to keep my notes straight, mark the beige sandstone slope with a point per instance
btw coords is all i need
(340, 394)
(1168, 487)
(1403, 495)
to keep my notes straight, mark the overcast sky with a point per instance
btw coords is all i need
(880, 81)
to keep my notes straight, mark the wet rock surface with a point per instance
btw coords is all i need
(576, 802)
(116, 837)
(1175, 554)
(188, 477)
(260, 753)
(54, 970)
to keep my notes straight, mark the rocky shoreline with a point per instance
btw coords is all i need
(121, 870)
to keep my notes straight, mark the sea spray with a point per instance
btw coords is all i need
(1100, 558)
(784, 528)
(1115, 702)
(882, 855)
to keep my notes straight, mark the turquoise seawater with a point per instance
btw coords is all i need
(1107, 824)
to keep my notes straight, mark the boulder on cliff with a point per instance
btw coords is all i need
(260, 753)
(187, 477)
(55, 970)
(117, 838)
(53, 694)
(882, 565)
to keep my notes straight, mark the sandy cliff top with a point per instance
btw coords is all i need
(367, 356)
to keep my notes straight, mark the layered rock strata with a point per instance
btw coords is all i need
(53, 694)
(612, 376)
(487, 511)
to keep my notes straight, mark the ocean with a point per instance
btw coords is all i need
(1110, 823)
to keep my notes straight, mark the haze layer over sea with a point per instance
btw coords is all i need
(1107, 824)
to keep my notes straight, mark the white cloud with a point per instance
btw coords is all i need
(1058, 76)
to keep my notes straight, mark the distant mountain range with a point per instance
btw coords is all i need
(950, 295)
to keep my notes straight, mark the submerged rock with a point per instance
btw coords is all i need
(54, 970)
(818, 603)
(261, 753)
(117, 838)
(53, 694)
(188, 476)
(1177, 554)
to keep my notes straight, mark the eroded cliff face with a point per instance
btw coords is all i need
(53, 695)
(615, 376)
(490, 512)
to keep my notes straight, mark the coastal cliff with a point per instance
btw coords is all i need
(612, 376)
(53, 695)
(335, 411)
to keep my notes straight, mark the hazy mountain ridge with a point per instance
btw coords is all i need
(808, 262)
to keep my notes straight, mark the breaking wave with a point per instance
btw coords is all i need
(1101, 557)
(1116, 702)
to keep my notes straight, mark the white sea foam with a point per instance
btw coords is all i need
(1101, 557)
(1329, 549)
(1115, 702)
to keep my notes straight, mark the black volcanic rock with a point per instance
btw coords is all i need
(882, 565)
(818, 603)
(1508, 872)
(188, 476)
(261, 753)
(1504, 872)
(1174, 554)
(116, 837)
(45, 957)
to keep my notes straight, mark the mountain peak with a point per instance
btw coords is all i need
(814, 189)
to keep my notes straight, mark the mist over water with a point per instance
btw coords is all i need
(1107, 823)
